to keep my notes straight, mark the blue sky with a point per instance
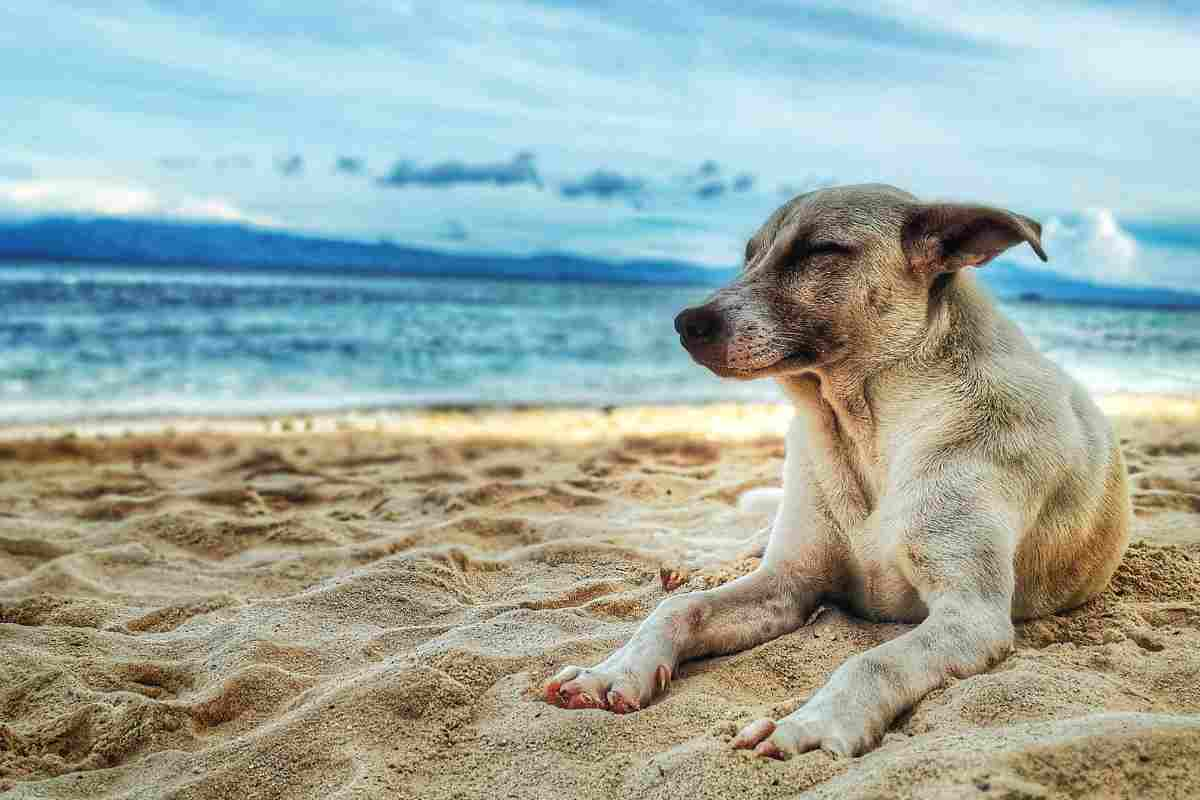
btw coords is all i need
(618, 129)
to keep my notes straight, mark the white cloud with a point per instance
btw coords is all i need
(115, 199)
(215, 208)
(76, 197)
(1092, 245)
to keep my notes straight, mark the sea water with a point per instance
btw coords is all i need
(89, 342)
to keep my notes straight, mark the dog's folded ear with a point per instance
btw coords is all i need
(943, 237)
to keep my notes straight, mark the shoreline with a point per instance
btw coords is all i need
(739, 419)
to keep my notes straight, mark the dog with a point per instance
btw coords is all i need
(938, 470)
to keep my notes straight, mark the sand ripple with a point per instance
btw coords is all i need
(355, 614)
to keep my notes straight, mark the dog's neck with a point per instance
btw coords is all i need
(962, 321)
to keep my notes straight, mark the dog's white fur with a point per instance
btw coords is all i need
(939, 470)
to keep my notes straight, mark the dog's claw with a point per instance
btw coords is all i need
(770, 750)
(618, 704)
(559, 692)
(619, 690)
(790, 736)
(672, 579)
(753, 733)
(582, 700)
(662, 677)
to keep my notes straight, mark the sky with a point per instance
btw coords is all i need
(616, 129)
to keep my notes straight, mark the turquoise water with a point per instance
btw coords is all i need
(79, 342)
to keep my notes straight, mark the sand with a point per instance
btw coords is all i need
(367, 605)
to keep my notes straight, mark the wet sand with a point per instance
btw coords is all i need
(367, 605)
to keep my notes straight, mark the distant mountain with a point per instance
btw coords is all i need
(1008, 280)
(148, 241)
(141, 241)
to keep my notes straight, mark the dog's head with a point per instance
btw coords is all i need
(842, 271)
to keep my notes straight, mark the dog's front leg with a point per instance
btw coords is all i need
(801, 565)
(962, 566)
(850, 714)
(755, 608)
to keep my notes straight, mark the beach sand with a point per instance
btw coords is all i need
(367, 606)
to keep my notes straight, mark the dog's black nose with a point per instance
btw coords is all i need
(699, 325)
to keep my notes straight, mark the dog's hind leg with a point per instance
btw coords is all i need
(753, 546)
(738, 615)
(765, 500)
(756, 545)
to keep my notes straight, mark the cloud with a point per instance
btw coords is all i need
(222, 162)
(179, 162)
(1095, 245)
(743, 182)
(709, 170)
(349, 165)
(213, 208)
(13, 171)
(76, 197)
(290, 166)
(520, 170)
(234, 162)
(453, 231)
(708, 184)
(1089, 244)
(110, 198)
(605, 185)
(705, 182)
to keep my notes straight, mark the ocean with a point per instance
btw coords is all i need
(82, 342)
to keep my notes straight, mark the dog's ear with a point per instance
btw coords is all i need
(943, 237)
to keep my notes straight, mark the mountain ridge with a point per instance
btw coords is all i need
(158, 242)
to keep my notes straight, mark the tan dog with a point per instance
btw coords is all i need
(939, 469)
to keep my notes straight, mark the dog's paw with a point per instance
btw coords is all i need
(618, 690)
(801, 732)
(672, 579)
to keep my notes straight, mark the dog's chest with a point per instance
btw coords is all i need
(846, 479)
(877, 588)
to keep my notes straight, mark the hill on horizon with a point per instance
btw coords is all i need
(145, 242)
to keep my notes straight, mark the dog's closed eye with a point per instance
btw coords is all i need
(806, 251)
(823, 248)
